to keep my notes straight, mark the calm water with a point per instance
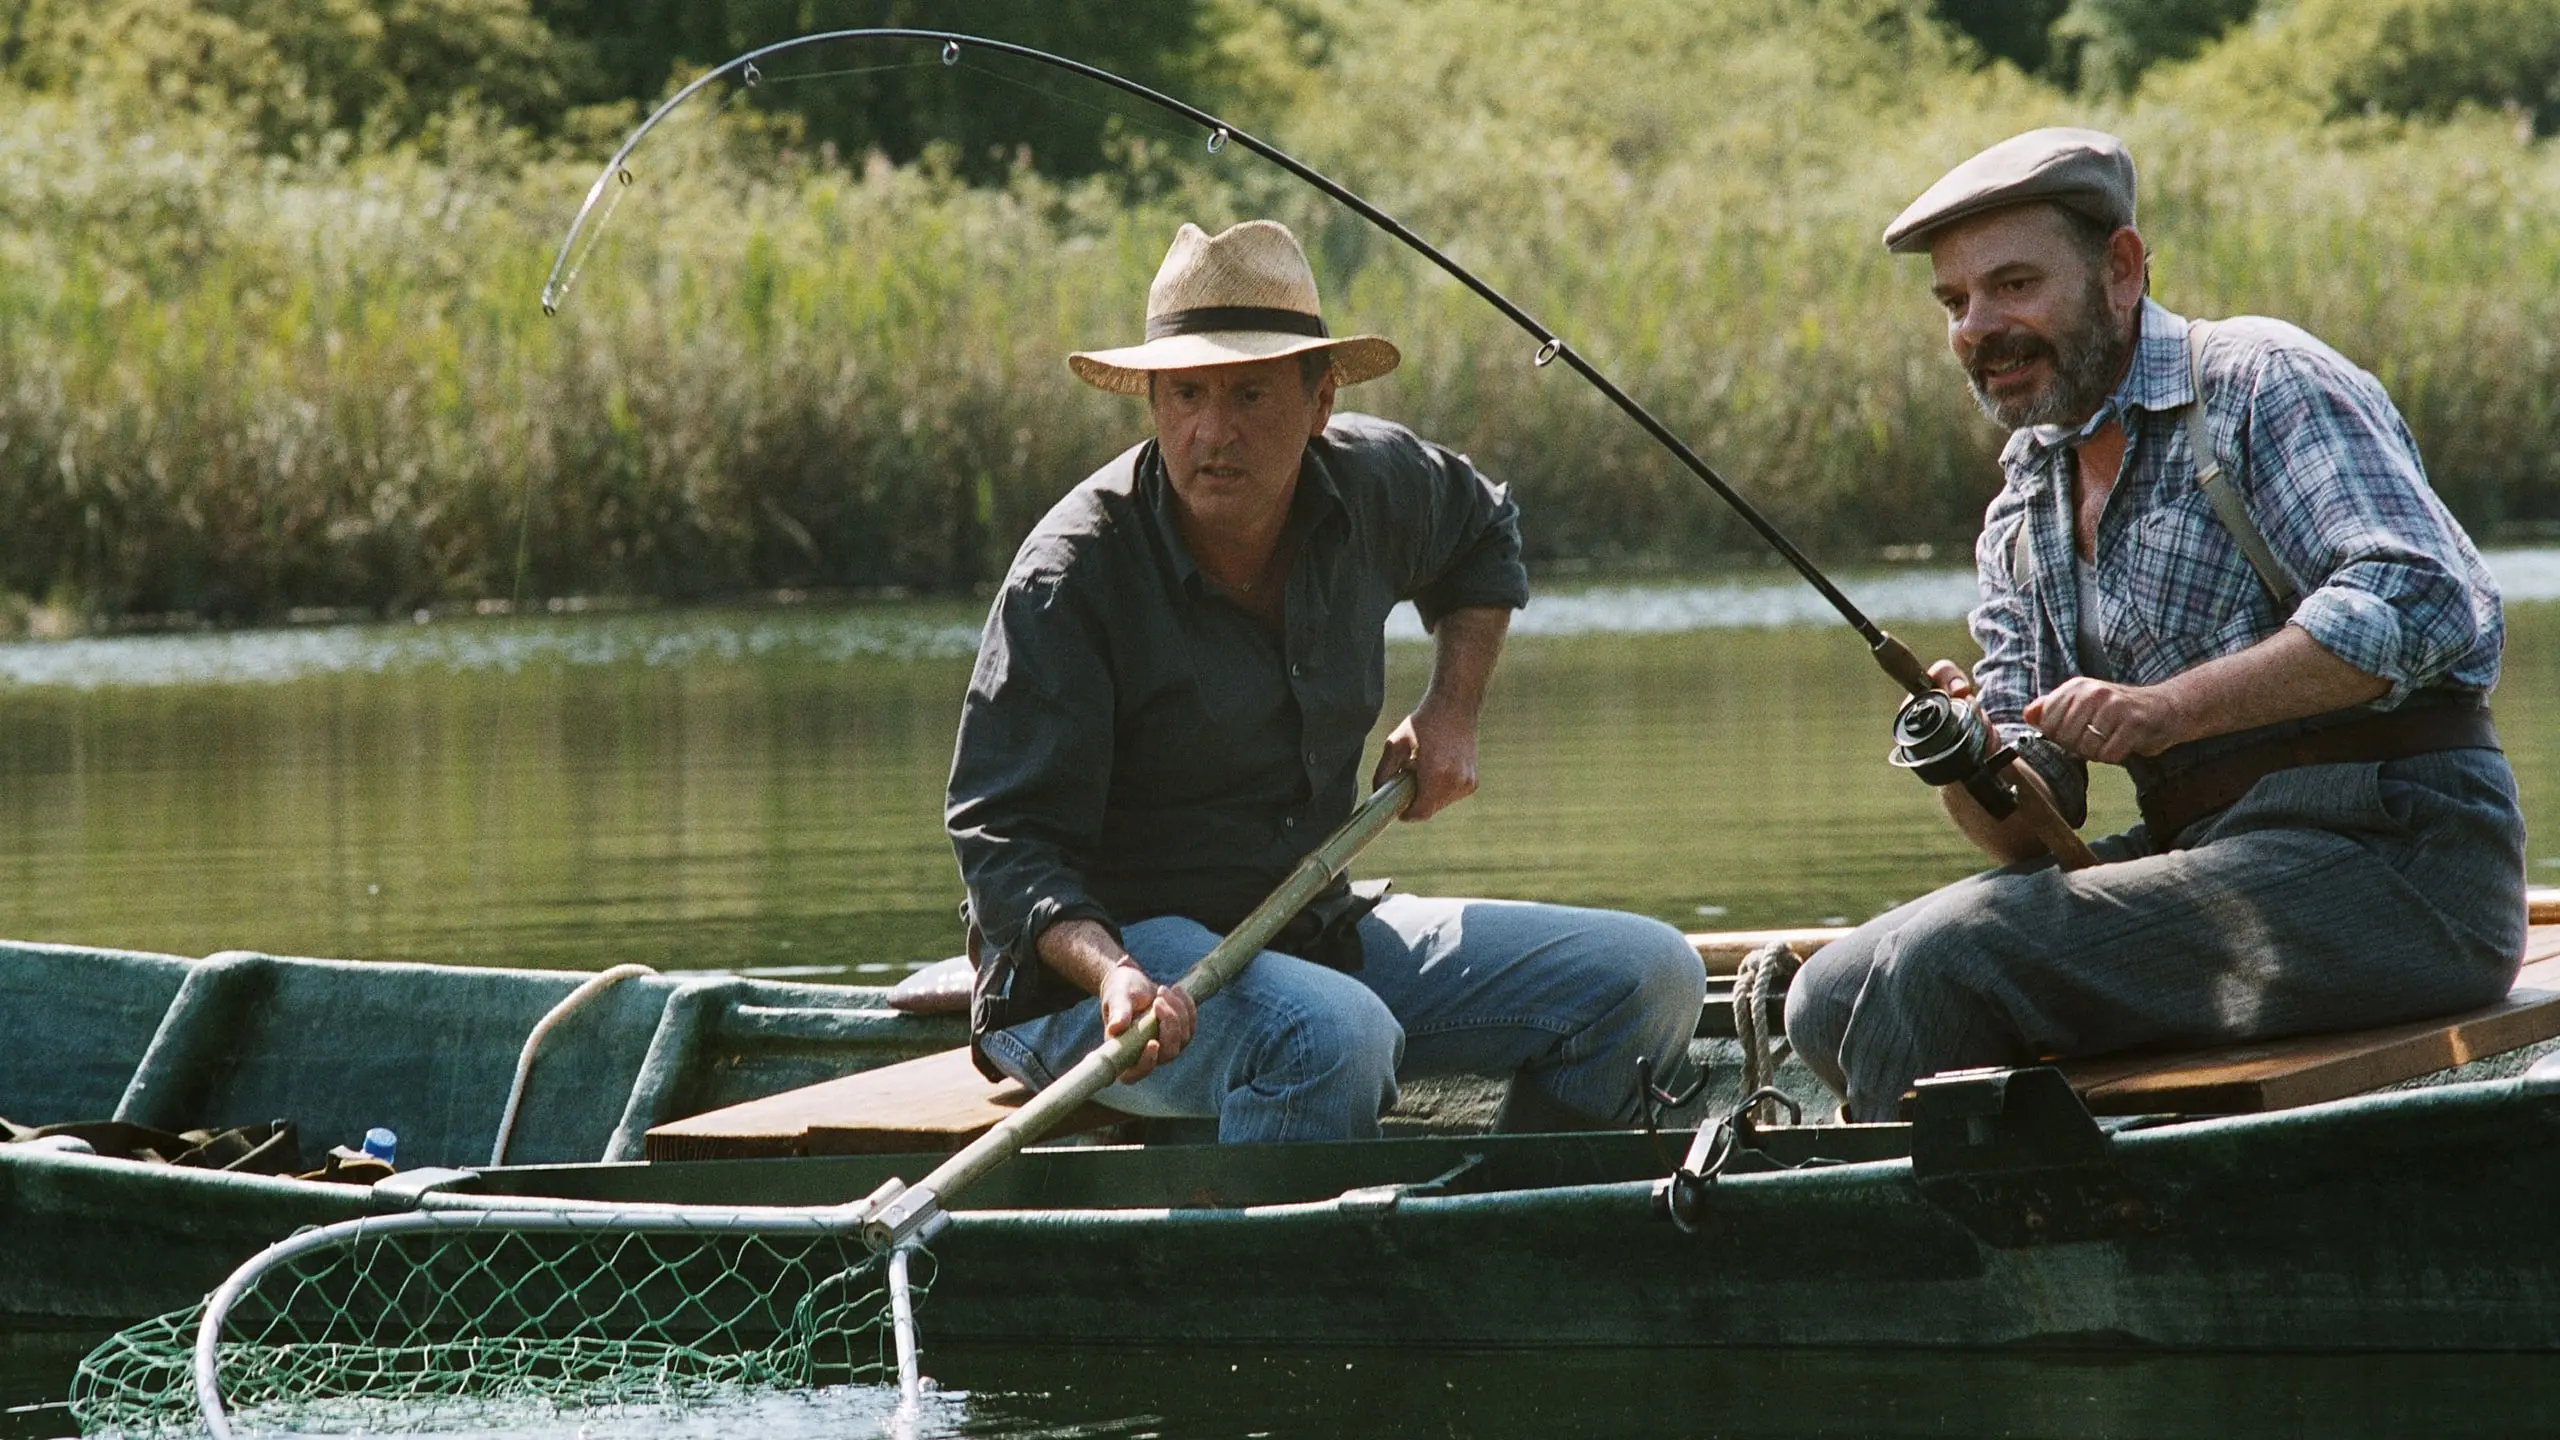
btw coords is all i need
(1145, 1393)
(760, 790)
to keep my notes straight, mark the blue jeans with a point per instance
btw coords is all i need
(1560, 999)
(2331, 897)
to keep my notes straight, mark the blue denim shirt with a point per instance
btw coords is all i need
(2389, 582)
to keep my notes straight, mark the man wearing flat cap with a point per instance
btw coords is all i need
(1169, 708)
(2215, 560)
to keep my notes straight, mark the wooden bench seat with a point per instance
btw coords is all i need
(941, 1102)
(2280, 1074)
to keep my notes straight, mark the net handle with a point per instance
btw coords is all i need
(1100, 1069)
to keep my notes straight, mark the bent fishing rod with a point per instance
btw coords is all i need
(1941, 739)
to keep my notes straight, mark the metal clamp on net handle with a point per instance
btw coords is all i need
(896, 1217)
(1947, 741)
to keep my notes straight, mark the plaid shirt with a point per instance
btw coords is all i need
(2389, 582)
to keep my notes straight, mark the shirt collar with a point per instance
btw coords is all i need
(2156, 381)
(1317, 496)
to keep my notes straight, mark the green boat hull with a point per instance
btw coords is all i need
(340, 1047)
(2407, 1222)
(2410, 1221)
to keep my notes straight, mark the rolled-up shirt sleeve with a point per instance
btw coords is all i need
(1031, 770)
(2387, 587)
(1465, 546)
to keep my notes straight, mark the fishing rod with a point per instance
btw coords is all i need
(1939, 738)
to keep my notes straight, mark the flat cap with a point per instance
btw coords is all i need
(2087, 170)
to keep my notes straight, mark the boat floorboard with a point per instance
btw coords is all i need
(936, 1102)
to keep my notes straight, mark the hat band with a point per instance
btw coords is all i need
(1207, 318)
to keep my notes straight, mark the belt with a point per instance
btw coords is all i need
(2169, 807)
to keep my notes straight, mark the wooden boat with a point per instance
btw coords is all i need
(2002, 1214)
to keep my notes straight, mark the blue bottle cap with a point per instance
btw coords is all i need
(382, 1145)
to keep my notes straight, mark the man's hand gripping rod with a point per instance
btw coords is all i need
(1947, 741)
(898, 1215)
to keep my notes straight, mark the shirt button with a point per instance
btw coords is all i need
(1311, 759)
(1289, 822)
(1297, 669)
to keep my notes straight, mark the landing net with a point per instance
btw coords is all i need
(436, 1323)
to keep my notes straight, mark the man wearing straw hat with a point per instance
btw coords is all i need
(1169, 709)
(2216, 562)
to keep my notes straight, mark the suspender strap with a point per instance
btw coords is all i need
(2227, 505)
(2218, 492)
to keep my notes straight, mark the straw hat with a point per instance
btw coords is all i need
(1241, 295)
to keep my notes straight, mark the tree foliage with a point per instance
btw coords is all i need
(296, 71)
(900, 101)
(2018, 31)
(2101, 46)
(2403, 59)
(381, 72)
(2107, 45)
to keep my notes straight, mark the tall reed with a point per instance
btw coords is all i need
(234, 385)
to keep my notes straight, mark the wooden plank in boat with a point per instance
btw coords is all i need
(2281, 1074)
(1722, 950)
(940, 1102)
(945, 987)
(933, 1103)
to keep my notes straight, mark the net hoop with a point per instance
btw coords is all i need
(835, 1222)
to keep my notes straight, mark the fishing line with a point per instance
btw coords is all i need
(482, 864)
(1892, 654)
(1895, 658)
(799, 75)
(1041, 90)
(563, 278)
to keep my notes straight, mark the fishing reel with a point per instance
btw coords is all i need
(1947, 741)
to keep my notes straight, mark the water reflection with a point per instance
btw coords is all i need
(1743, 1394)
(1755, 1395)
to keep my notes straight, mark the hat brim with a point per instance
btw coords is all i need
(1915, 237)
(1124, 371)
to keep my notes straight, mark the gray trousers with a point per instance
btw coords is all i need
(2331, 897)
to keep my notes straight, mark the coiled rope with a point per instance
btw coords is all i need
(1762, 977)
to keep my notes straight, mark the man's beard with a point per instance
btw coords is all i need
(2086, 357)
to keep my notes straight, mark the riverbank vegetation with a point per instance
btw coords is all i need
(269, 339)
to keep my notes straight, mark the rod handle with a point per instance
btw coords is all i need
(1898, 661)
(2072, 852)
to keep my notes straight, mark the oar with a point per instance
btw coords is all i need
(901, 1215)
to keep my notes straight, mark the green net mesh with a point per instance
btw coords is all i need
(427, 1330)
